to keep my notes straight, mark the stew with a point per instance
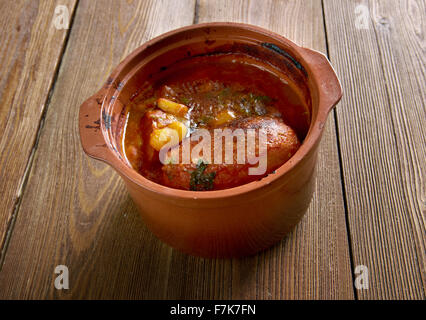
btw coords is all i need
(206, 94)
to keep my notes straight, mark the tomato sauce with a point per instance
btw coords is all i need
(212, 91)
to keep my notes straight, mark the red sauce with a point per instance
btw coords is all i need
(217, 90)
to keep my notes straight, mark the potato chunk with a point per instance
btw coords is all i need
(181, 129)
(224, 117)
(153, 135)
(172, 107)
(174, 133)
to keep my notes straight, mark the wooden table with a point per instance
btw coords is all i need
(59, 207)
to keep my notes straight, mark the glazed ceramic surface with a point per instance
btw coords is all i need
(225, 223)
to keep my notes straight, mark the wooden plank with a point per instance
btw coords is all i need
(382, 136)
(75, 211)
(313, 261)
(30, 49)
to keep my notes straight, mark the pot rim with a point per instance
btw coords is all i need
(327, 96)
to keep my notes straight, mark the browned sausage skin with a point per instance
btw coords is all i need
(281, 144)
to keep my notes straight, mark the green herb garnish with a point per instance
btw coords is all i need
(185, 100)
(224, 93)
(203, 120)
(264, 99)
(201, 181)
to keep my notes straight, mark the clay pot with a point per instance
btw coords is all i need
(227, 223)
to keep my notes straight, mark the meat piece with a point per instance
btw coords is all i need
(201, 174)
(152, 120)
(157, 129)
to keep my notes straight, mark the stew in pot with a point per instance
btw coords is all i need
(206, 97)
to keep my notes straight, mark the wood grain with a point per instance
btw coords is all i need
(75, 210)
(313, 261)
(30, 50)
(382, 136)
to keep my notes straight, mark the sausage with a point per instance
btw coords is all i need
(281, 144)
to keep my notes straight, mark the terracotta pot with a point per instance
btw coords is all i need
(226, 223)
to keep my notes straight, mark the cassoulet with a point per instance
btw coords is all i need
(222, 91)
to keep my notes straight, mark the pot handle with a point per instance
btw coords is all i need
(91, 135)
(329, 85)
